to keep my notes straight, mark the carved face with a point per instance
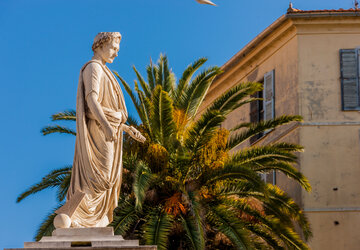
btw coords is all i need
(109, 50)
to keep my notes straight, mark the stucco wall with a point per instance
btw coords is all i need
(330, 136)
(331, 236)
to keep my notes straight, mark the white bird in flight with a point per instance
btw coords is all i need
(205, 2)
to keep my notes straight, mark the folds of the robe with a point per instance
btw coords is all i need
(97, 166)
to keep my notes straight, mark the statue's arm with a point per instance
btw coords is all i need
(91, 77)
(133, 132)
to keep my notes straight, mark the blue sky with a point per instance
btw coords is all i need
(43, 45)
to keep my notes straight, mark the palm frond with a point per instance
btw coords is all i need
(185, 80)
(202, 130)
(261, 155)
(162, 115)
(63, 188)
(233, 98)
(54, 179)
(142, 180)
(168, 77)
(143, 84)
(131, 94)
(151, 71)
(125, 216)
(289, 171)
(68, 115)
(259, 127)
(197, 90)
(276, 203)
(193, 235)
(57, 129)
(285, 232)
(265, 234)
(158, 228)
(164, 77)
(228, 223)
(146, 108)
(195, 222)
(279, 202)
(233, 172)
(131, 121)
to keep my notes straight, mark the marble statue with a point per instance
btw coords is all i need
(100, 122)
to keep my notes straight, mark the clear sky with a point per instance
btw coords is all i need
(43, 45)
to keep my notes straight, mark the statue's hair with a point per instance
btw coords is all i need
(104, 37)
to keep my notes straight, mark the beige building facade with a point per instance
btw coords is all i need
(309, 64)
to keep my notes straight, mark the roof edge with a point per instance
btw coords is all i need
(278, 22)
(255, 41)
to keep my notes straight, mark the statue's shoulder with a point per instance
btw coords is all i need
(92, 66)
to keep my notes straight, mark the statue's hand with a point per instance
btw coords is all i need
(109, 133)
(138, 136)
(134, 133)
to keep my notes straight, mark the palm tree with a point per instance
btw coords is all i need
(185, 188)
(188, 188)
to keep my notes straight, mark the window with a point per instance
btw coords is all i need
(264, 110)
(256, 113)
(349, 74)
(269, 95)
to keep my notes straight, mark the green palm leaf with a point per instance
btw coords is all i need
(164, 77)
(194, 236)
(256, 128)
(194, 223)
(143, 84)
(288, 170)
(132, 95)
(68, 115)
(142, 180)
(233, 172)
(265, 234)
(57, 129)
(158, 228)
(54, 179)
(162, 122)
(228, 223)
(197, 90)
(131, 121)
(285, 232)
(185, 80)
(125, 216)
(202, 130)
(151, 71)
(233, 98)
(146, 108)
(262, 154)
(63, 188)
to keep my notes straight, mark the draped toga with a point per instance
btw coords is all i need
(97, 167)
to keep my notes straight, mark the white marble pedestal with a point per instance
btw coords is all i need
(84, 238)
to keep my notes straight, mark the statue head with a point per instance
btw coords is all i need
(106, 45)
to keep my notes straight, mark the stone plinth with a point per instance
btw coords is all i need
(84, 238)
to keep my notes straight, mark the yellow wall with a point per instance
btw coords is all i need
(330, 136)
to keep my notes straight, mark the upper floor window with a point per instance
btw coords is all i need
(264, 109)
(349, 69)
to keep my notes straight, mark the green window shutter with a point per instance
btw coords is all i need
(349, 70)
(269, 95)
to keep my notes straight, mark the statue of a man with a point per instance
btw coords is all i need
(100, 121)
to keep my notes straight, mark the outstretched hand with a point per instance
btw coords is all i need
(134, 133)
